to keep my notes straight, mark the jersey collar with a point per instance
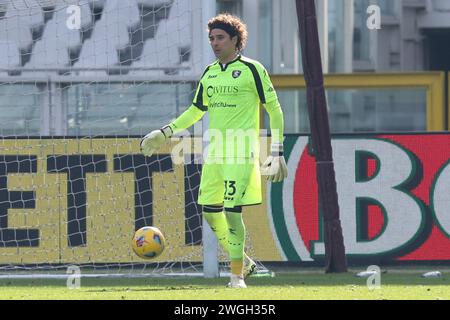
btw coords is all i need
(223, 68)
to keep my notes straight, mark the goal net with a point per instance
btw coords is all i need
(80, 83)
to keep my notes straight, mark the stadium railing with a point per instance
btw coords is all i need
(432, 82)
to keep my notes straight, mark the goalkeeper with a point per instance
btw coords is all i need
(230, 90)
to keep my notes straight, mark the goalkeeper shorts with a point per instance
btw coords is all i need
(231, 184)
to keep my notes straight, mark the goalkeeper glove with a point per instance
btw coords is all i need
(155, 139)
(275, 167)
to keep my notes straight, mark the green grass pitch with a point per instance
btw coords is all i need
(309, 284)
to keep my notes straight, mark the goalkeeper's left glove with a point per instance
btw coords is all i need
(155, 139)
(275, 167)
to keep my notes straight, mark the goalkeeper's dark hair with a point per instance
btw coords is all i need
(231, 25)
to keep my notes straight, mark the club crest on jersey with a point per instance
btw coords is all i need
(236, 73)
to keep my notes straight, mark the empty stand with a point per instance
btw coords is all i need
(52, 50)
(110, 34)
(19, 21)
(173, 38)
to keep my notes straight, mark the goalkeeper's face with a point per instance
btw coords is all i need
(223, 45)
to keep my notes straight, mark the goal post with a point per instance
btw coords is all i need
(80, 83)
(335, 259)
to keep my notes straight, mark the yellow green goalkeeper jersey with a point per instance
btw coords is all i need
(231, 94)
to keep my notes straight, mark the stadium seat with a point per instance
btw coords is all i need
(52, 50)
(18, 21)
(29, 10)
(110, 34)
(86, 15)
(172, 35)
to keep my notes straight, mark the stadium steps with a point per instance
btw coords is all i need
(151, 16)
(19, 26)
(170, 46)
(52, 49)
(143, 24)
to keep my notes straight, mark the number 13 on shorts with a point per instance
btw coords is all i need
(230, 189)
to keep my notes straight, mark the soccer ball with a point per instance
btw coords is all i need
(148, 242)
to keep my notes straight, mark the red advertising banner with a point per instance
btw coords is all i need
(394, 199)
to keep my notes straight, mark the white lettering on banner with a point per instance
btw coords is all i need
(404, 214)
(440, 199)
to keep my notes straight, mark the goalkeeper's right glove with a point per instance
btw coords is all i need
(155, 139)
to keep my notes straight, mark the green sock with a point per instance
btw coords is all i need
(236, 235)
(219, 225)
